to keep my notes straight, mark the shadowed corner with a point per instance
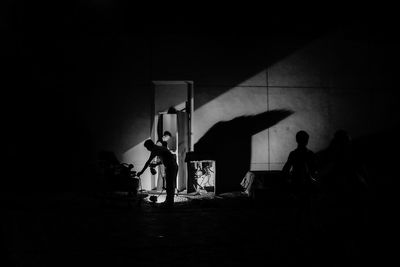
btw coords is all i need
(229, 143)
(375, 152)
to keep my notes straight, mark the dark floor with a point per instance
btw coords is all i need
(86, 229)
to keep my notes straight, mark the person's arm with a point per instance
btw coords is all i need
(287, 168)
(362, 174)
(313, 166)
(288, 165)
(155, 163)
(152, 156)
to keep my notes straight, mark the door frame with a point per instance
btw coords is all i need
(188, 106)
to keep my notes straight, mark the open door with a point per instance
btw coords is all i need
(173, 109)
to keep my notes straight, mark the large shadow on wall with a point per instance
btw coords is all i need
(229, 143)
(91, 75)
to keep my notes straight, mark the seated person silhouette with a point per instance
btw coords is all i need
(164, 139)
(167, 136)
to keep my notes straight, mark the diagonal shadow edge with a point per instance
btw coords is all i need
(229, 144)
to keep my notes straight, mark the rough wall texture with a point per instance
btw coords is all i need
(329, 84)
(81, 84)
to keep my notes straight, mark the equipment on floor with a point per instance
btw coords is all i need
(154, 198)
(118, 176)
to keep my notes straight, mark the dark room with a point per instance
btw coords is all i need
(197, 136)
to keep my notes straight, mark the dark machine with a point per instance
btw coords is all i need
(118, 176)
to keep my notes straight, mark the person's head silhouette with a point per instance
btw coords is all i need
(302, 138)
(166, 136)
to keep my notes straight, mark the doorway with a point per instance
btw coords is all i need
(173, 109)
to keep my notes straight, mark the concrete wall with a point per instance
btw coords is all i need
(74, 87)
(331, 83)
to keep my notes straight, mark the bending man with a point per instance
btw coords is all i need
(169, 162)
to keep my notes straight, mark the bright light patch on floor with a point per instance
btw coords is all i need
(161, 198)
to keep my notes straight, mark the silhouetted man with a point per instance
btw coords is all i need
(300, 167)
(301, 162)
(342, 172)
(161, 168)
(164, 140)
(169, 162)
(344, 184)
